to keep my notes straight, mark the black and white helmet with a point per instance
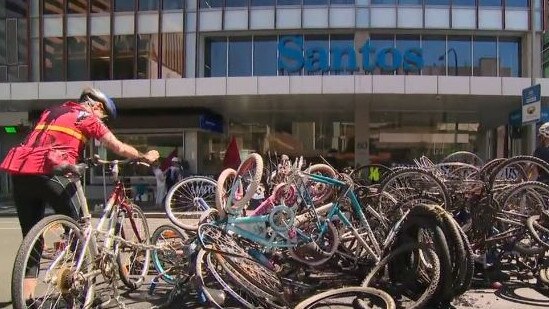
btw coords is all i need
(544, 130)
(98, 96)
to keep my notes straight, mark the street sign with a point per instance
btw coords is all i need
(531, 104)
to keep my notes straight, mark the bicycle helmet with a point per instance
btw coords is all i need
(544, 130)
(98, 96)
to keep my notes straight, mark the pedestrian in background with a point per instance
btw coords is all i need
(174, 173)
(160, 177)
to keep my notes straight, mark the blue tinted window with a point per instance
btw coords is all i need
(459, 56)
(315, 2)
(434, 61)
(240, 56)
(489, 2)
(262, 2)
(288, 2)
(509, 57)
(463, 2)
(404, 43)
(215, 62)
(317, 57)
(409, 2)
(148, 5)
(172, 4)
(265, 56)
(123, 5)
(236, 3)
(211, 3)
(485, 57)
(437, 2)
(379, 43)
(342, 50)
(516, 3)
(342, 1)
(383, 1)
(293, 44)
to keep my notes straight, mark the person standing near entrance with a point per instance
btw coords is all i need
(542, 151)
(174, 173)
(160, 177)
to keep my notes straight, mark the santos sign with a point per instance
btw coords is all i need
(291, 57)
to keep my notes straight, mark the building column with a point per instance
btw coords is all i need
(362, 131)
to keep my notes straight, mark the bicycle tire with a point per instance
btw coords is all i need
(251, 170)
(183, 208)
(205, 269)
(222, 189)
(320, 192)
(133, 274)
(514, 161)
(66, 288)
(174, 257)
(471, 157)
(406, 248)
(379, 295)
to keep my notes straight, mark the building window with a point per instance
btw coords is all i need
(172, 55)
(53, 59)
(77, 6)
(489, 2)
(236, 3)
(516, 3)
(100, 6)
(53, 6)
(509, 57)
(291, 64)
(436, 2)
(315, 2)
(124, 5)
(262, 2)
(342, 1)
(288, 2)
(147, 56)
(172, 4)
(434, 55)
(77, 67)
(208, 4)
(215, 62)
(240, 52)
(148, 5)
(383, 2)
(463, 2)
(124, 56)
(265, 56)
(14, 46)
(458, 56)
(100, 57)
(3, 49)
(485, 56)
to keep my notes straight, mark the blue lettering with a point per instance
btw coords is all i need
(366, 51)
(290, 50)
(292, 57)
(413, 60)
(337, 59)
(396, 59)
(316, 59)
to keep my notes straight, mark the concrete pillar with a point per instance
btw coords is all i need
(362, 131)
(190, 149)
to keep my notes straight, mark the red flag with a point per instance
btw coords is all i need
(232, 155)
(168, 161)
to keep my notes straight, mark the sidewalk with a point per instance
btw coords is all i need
(7, 209)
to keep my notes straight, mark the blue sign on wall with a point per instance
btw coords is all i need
(211, 122)
(515, 117)
(292, 57)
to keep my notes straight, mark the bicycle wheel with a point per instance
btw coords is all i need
(417, 284)
(172, 261)
(55, 281)
(188, 199)
(320, 192)
(464, 157)
(248, 175)
(223, 189)
(515, 170)
(349, 297)
(133, 260)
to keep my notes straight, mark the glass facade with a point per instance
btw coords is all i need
(124, 56)
(147, 59)
(384, 54)
(14, 46)
(52, 66)
(77, 68)
(100, 57)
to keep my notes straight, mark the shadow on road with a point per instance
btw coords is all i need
(536, 296)
(5, 304)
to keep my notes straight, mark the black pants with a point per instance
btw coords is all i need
(31, 195)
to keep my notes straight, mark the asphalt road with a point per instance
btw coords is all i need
(513, 295)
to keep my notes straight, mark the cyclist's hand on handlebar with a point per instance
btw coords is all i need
(151, 156)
